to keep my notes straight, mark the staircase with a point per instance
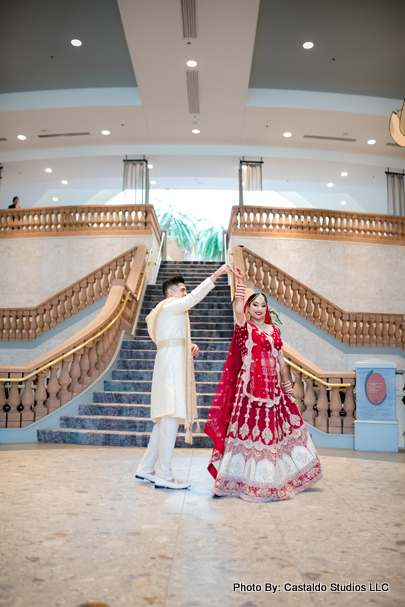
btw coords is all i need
(120, 415)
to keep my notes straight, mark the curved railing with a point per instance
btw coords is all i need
(317, 224)
(29, 393)
(28, 323)
(79, 220)
(351, 328)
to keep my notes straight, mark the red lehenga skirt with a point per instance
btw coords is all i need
(269, 454)
(262, 447)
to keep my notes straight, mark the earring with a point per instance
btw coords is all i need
(248, 315)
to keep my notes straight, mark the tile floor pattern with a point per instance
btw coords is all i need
(77, 527)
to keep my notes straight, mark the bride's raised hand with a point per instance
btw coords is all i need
(240, 276)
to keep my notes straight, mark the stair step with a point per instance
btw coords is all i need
(138, 375)
(147, 365)
(140, 398)
(205, 346)
(146, 386)
(112, 438)
(120, 424)
(131, 410)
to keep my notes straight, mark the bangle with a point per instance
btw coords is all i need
(286, 385)
(240, 291)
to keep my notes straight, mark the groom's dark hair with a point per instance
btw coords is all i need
(171, 282)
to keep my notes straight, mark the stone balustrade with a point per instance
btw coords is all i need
(317, 224)
(75, 220)
(63, 373)
(350, 328)
(26, 324)
(330, 409)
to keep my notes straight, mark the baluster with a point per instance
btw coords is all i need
(47, 317)
(366, 330)
(75, 373)
(13, 325)
(266, 279)
(14, 401)
(378, 329)
(64, 395)
(359, 330)
(372, 330)
(100, 355)
(337, 328)
(54, 312)
(324, 317)
(280, 288)
(294, 299)
(6, 325)
(302, 304)
(61, 308)
(251, 269)
(98, 287)
(385, 337)
(27, 401)
(93, 371)
(19, 325)
(335, 421)
(128, 259)
(106, 284)
(331, 321)
(69, 304)
(53, 402)
(113, 268)
(308, 414)
(391, 331)
(1, 326)
(288, 293)
(120, 264)
(349, 407)
(40, 410)
(26, 325)
(76, 299)
(90, 290)
(298, 390)
(83, 295)
(84, 367)
(352, 329)
(273, 283)
(309, 307)
(398, 323)
(258, 276)
(33, 325)
(321, 420)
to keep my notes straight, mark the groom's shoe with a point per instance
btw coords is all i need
(162, 483)
(145, 476)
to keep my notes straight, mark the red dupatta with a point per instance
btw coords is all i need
(260, 384)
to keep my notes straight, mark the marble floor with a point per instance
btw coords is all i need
(77, 529)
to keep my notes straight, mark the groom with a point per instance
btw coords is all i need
(173, 398)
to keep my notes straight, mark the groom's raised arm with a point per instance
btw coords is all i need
(182, 304)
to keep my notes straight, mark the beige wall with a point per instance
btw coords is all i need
(356, 277)
(33, 269)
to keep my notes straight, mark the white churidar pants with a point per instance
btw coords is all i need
(160, 449)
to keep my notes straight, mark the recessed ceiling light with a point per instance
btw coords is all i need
(308, 45)
(55, 199)
(22, 137)
(153, 183)
(191, 63)
(287, 134)
(195, 131)
(344, 174)
(105, 132)
(64, 182)
(343, 202)
(76, 42)
(244, 166)
(150, 166)
(330, 185)
(371, 141)
(48, 170)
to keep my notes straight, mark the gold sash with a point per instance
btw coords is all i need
(191, 398)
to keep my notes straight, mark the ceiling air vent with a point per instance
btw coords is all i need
(193, 93)
(329, 138)
(189, 20)
(63, 135)
(3, 139)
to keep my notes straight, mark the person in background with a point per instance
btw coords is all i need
(16, 200)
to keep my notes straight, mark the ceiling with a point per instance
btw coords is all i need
(255, 83)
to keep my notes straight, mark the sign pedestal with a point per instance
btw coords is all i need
(376, 425)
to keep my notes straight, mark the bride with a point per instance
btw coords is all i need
(262, 448)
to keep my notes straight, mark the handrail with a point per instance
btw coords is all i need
(139, 295)
(317, 379)
(76, 349)
(265, 221)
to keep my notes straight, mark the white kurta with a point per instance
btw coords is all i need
(169, 375)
